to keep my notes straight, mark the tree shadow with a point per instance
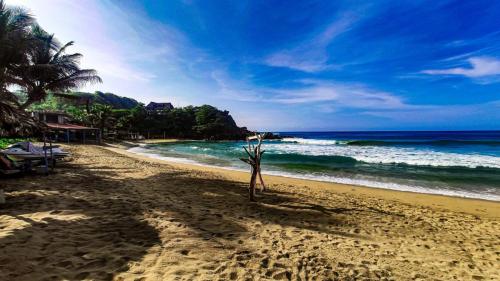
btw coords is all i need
(205, 205)
(95, 219)
(71, 238)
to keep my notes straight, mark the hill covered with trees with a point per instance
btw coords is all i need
(110, 99)
(116, 117)
(193, 122)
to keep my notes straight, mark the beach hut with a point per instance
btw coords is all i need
(59, 128)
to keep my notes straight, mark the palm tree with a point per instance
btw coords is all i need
(15, 24)
(101, 116)
(50, 69)
(35, 61)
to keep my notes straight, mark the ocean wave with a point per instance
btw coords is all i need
(145, 151)
(388, 155)
(200, 148)
(312, 141)
(423, 142)
(391, 142)
(389, 185)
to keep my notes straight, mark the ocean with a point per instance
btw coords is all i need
(458, 163)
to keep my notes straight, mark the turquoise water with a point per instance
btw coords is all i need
(463, 164)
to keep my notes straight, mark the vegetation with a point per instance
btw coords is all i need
(110, 99)
(194, 122)
(14, 27)
(4, 142)
(49, 69)
(35, 62)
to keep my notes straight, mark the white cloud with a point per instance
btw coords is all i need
(312, 63)
(341, 94)
(98, 30)
(479, 67)
(311, 55)
(329, 96)
(234, 90)
(130, 52)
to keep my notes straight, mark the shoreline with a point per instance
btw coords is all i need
(378, 185)
(476, 206)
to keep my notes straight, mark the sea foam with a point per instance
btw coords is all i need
(311, 141)
(384, 155)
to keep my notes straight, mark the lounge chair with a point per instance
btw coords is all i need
(26, 149)
(9, 166)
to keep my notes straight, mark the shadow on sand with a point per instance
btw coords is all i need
(114, 216)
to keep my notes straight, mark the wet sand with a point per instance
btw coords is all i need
(107, 214)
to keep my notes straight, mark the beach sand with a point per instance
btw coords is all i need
(107, 214)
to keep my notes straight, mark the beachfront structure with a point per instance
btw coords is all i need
(55, 117)
(61, 129)
(159, 107)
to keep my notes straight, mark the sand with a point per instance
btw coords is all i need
(109, 215)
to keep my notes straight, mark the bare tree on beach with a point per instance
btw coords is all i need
(254, 157)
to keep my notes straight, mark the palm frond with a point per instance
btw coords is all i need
(35, 60)
(62, 50)
(14, 120)
(75, 79)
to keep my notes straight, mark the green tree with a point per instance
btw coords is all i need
(14, 41)
(50, 69)
(212, 123)
(137, 119)
(181, 122)
(78, 114)
(37, 63)
(101, 116)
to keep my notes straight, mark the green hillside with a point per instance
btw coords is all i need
(117, 102)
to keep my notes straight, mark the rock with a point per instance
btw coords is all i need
(2, 197)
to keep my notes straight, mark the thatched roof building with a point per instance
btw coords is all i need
(159, 106)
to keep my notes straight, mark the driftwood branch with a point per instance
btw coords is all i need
(254, 157)
(249, 154)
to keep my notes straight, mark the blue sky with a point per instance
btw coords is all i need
(296, 65)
